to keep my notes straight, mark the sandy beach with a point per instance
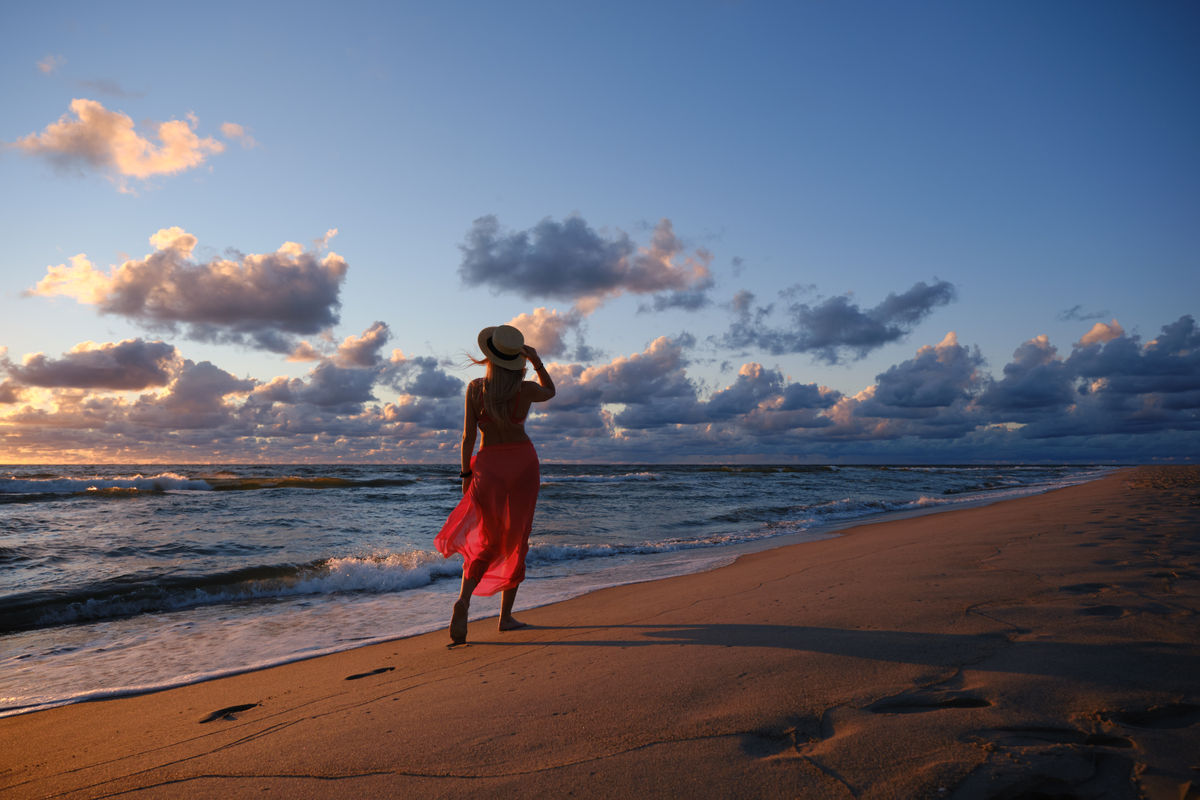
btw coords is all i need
(1047, 646)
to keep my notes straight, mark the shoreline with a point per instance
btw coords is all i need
(703, 559)
(985, 646)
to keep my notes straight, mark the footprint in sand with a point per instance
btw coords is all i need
(1061, 772)
(1108, 612)
(1038, 736)
(379, 671)
(788, 735)
(922, 702)
(228, 714)
(1175, 715)
(1085, 588)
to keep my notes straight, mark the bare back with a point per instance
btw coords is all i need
(506, 431)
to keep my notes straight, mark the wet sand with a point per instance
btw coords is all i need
(1046, 646)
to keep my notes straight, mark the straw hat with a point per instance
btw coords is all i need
(502, 345)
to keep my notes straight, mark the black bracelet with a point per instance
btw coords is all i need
(466, 474)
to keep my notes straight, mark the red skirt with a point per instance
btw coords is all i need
(491, 524)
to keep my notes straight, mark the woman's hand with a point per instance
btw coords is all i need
(466, 483)
(545, 382)
(532, 355)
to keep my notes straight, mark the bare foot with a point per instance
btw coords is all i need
(458, 622)
(511, 624)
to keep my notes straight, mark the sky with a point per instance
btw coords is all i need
(802, 232)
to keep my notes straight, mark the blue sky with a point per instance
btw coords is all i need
(750, 228)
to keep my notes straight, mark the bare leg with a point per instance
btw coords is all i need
(458, 621)
(507, 621)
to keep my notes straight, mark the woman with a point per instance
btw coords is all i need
(491, 524)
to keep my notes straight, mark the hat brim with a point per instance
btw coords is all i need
(493, 355)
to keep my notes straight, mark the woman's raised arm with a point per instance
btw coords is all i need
(543, 390)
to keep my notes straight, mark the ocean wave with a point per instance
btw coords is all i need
(615, 478)
(391, 572)
(767, 468)
(26, 488)
(301, 482)
(59, 485)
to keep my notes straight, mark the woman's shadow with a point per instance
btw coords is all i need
(1105, 663)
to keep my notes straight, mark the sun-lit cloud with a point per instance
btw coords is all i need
(50, 63)
(1101, 333)
(546, 331)
(363, 351)
(569, 260)
(357, 405)
(95, 137)
(238, 133)
(256, 299)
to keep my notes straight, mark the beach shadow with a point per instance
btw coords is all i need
(1107, 663)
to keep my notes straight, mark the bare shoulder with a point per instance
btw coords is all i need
(535, 392)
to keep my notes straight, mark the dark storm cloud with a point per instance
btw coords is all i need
(10, 392)
(331, 386)
(262, 300)
(569, 260)
(196, 399)
(420, 376)
(835, 328)
(936, 377)
(1036, 380)
(1112, 386)
(1168, 364)
(129, 365)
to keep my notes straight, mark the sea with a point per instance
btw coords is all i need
(117, 580)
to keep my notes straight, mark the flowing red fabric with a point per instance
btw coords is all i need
(491, 524)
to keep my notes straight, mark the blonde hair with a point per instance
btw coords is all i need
(499, 388)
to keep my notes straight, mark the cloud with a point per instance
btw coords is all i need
(1117, 398)
(237, 133)
(50, 64)
(106, 140)
(363, 351)
(937, 376)
(1167, 364)
(255, 299)
(930, 396)
(10, 392)
(1111, 384)
(762, 401)
(835, 328)
(419, 376)
(129, 365)
(1035, 381)
(569, 260)
(546, 331)
(196, 399)
(1101, 333)
(337, 387)
(304, 351)
(1077, 314)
